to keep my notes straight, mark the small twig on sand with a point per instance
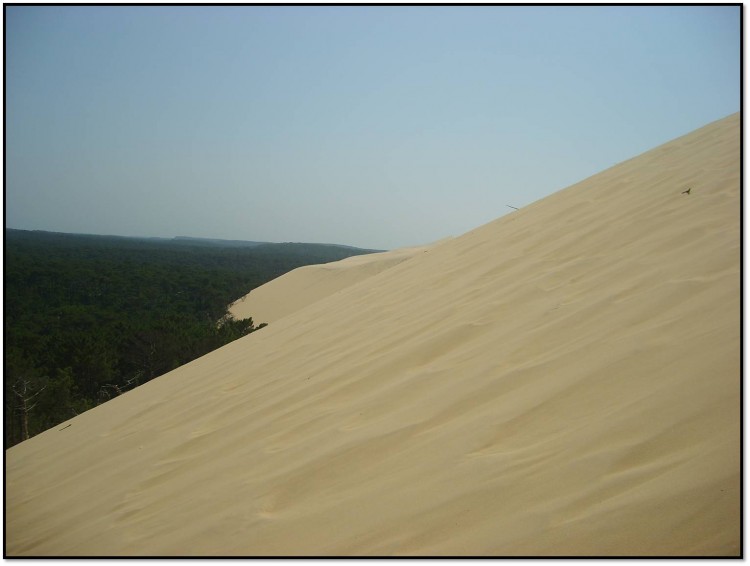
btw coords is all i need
(66, 426)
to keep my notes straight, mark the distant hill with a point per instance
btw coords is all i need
(252, 244)
(217, 242)
(42, 235)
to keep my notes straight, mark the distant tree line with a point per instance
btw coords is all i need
(88, 318)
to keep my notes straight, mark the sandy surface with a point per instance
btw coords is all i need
(305, 285)
(562, 381)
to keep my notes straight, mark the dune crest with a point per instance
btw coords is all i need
(562, 381)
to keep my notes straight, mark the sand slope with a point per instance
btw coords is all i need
(305, 285)
(562, 381)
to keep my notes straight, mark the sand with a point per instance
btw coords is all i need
(303, 286)
(562, 381)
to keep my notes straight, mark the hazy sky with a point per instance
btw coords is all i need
(378, 127)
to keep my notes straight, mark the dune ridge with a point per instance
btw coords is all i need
(562, 381)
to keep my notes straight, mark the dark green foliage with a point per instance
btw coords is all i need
(89, 317)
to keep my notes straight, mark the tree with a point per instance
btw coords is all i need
(88, 317)
(57, 403)
(26, 393)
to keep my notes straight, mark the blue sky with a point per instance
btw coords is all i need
(379, 127)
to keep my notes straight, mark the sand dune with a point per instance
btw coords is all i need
(562, 381)
(305, 285)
